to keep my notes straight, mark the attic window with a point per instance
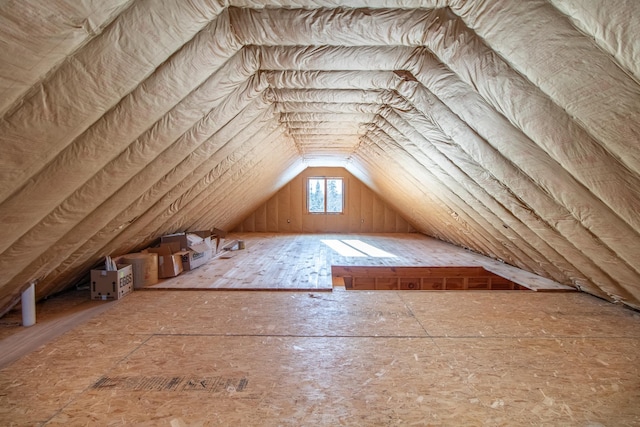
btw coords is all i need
(325, 195)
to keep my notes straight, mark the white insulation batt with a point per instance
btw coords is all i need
(508, 127)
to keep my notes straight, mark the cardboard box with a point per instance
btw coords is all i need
(111, 285)
(198, 241)
(202, 233)
(145, 268)
(197, 244)
(192, 259)
(220, 236)
(169, 261)
(170, 265)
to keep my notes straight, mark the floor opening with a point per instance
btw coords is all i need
(422, 278)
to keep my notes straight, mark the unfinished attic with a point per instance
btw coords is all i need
(319, 147)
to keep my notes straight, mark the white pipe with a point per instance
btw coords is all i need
(29, 305)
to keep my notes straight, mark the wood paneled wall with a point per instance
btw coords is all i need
(286, 211)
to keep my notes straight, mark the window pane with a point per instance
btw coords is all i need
(334, 195)
(316, 195)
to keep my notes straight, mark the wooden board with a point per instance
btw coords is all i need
(304, 262)
(54, 317)
(340, 358)
(289, 203)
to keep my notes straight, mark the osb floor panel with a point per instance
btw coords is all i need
(57, 308)
(335, 358)
(303, 261)
(54, 317)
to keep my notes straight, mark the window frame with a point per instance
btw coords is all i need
(325, 181)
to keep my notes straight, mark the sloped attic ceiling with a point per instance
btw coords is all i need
(507, 127)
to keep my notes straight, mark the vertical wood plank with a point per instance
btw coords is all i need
(353, 200)
(389, 219)
(261, 218)
(249, 224)
(272, 214)
(378, 214)
(298, 204)
(284, 209)
(366, 199)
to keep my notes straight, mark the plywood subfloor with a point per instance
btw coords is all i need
(303, 261)
(170, 358)
(55, 316)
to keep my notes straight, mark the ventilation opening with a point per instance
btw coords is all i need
(422, 278)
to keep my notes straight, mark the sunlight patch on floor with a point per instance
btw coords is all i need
(368, 249)
(343, 249)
